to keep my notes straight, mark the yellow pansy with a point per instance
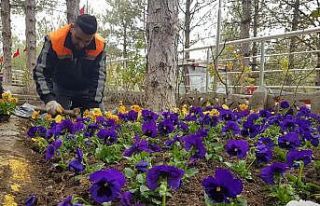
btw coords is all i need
(13, 100)
(243, 107)
(122, 109)
(35, 115)
(48, 117)
(58, 118)
(7, 95)
(97, 112)
(108, 114)
(224, 106)
(136, 108)
(214, 112)
(184, 109)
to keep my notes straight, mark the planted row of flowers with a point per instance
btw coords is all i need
(158, 152)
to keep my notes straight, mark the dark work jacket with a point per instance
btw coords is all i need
(61, 65)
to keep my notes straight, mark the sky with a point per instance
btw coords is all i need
(18, 21)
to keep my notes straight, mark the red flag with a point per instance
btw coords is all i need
(81, 11)
(16, 54)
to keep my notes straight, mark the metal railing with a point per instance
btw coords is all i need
(263, 40)
(262, 56)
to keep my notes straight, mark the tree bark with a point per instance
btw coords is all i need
(187, 31)
(162, 31)
(245, 30)
(31, 40)
(7, 41)
(255, 33)
(245, 47)
(318, 62)
(72, 10)
(293, 42)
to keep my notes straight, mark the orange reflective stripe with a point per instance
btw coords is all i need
(58, 38)
(99, 41)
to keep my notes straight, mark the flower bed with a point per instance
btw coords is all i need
(191, 156)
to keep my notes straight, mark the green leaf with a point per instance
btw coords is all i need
(144, 188)
(191, 172)
(129, 173)
(140, 178)
(229, 164)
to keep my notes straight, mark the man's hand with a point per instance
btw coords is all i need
(53, 108)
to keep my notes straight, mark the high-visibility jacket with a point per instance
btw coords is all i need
(60, 64)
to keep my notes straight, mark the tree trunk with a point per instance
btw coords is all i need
(245, 47)
(187, 31)
(162, 31)
(31, 41)
(7, 42)
(245, 30)
(293, 42)
(318, 61)
(255, 33)
(72, 10)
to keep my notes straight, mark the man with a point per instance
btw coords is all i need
(70, 70)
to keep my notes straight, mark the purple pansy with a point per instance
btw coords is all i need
(171, 174)
(52, 148)
(237, 148)
(106, 185)
(222, 186)
(166, 126)
(77, 127)
(37, 131)
(68, 202)
(289, 141)
(284, 104)
(269, 172)
(231, 126)
(91, 129)
(142, 166)
(76, 164)
(195, 141)
(263, 153)
(169, 143)
(127, 199)
(31, 201)
(150, 129)
(303, 155)
(139, 145)
(148, 115)
(109, 136)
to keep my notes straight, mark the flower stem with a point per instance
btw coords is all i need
(299, 182)
(163, 192)
(164, 200)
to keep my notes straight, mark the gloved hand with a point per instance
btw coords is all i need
(53, 108)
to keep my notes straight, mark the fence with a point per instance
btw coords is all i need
(264, 72)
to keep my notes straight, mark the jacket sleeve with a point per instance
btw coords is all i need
(97, 85)
(1, 89)
(44, 70)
